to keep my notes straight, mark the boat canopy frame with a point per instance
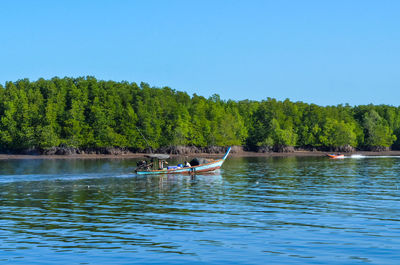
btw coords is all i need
(158, 156)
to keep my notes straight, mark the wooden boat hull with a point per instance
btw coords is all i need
(208, 167)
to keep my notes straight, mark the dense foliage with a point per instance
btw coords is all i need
(85, 112)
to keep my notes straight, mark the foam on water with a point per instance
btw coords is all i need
(51, 177)
(357, 156)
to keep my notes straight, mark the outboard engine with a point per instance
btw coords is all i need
(141, 164)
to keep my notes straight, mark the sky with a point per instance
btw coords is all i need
(321, 52)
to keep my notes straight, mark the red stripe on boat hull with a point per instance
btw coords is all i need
(195, 171)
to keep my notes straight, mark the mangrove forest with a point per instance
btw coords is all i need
(86, 113)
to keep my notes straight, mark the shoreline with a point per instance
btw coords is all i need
(210, 155)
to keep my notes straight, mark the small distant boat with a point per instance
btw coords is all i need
(205, 167)
(335, 156)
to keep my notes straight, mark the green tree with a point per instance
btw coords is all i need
(378, 133)
(282, 137)
(338, 133)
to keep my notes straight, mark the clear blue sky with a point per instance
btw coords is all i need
(323, 52)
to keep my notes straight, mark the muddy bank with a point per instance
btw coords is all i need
(172, 150)
(212, 153)
(182, 150)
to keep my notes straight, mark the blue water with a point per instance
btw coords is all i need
(253, 211)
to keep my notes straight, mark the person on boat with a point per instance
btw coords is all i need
(161, 164)
(149, 165)
(187, 164)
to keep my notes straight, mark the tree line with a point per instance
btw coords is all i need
(88, 113)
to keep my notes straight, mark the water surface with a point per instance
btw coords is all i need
(303, 210)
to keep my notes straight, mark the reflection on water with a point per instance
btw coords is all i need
(253, 211)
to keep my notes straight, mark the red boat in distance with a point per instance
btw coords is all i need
(335, 156)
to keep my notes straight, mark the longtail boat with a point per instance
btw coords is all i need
(205, 167)
(335, 156)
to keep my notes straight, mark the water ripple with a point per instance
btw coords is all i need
(254, 211)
